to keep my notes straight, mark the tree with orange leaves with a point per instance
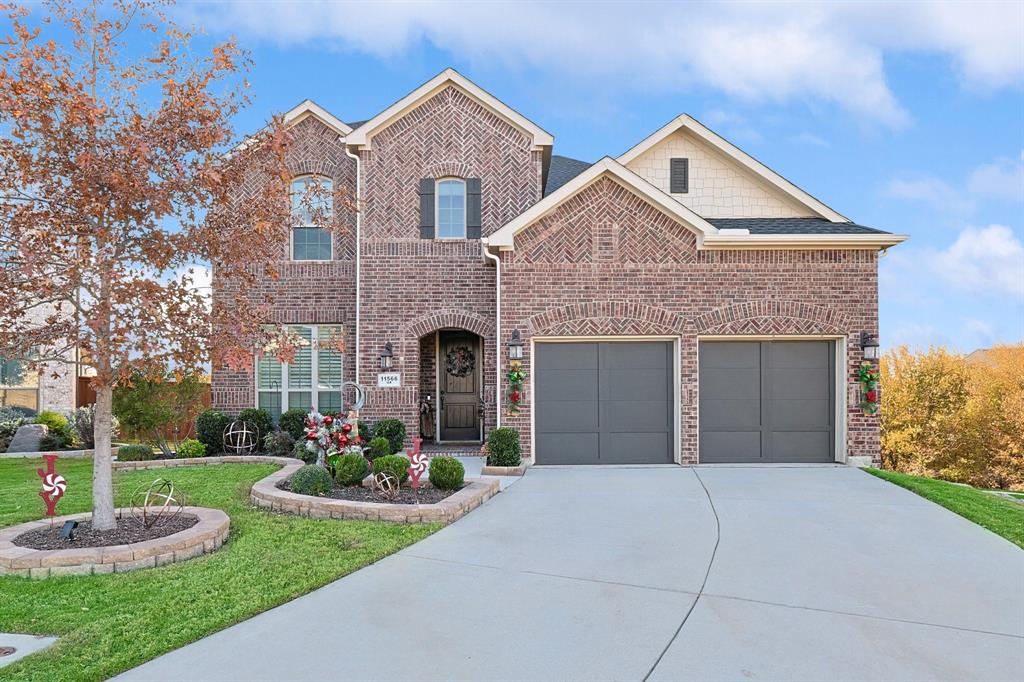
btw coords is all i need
(118, 174)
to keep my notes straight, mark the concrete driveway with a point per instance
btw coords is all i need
(666, 573)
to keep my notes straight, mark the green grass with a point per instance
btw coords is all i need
(110, 623)
(1001, 516)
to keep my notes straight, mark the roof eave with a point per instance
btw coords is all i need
(802, 241)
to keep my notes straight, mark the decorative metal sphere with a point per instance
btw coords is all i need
(386, 485)
(240, 437)
(156, 504)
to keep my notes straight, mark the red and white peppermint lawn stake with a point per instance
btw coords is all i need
(54, 485)
(419, 462)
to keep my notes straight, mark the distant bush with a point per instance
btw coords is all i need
(395, 464)
(278, 443)
(210, 425)
(159, 409)
(59, 428)
(447, 473)
(351, 469)
(83, 423)
(293, 422)
(503, 449)
(190, 447)
(135, 453)
(393, 430)
(261, 419)
(300, 451)
(312, 480)
(378, 447)
(10, 413)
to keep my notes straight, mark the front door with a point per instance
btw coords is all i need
(459, 367)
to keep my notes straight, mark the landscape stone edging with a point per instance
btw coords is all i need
(204, 537)
(488, 470)
(65, 454)
(267, 495)
(202, 461)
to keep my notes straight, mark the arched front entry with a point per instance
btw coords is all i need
(451, 386)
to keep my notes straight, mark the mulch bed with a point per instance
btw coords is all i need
(128, 531)
(357, 493)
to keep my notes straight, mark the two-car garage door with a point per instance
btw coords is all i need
(614, 402)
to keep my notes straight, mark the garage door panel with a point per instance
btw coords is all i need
(731, 355)
(568, 448)
(730, 446)
(635, 448)
(730, 384)
(800, 446)
(567, 384)
(789, 414)
(799, 355)
(639, 384)
(634, 355)
(723, 415)
(634, 415)
(562, 356)
(797, 383)
(557, 416)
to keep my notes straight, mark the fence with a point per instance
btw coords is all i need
(87, 396)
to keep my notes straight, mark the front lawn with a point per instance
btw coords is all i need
(1000, 516)
(110, 623)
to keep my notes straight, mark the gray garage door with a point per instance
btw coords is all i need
(604, 403)
(767, 401)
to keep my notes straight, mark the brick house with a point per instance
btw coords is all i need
(678, 303)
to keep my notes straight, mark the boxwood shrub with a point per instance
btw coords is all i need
(503, 449)
(396, 464)
(393, 430)
(210, 425)
(135, 453)
(293, 422)
(261, 419)
(190, 447)
(278, 443)
(378, 447)
(447, 473)
(351, 469)
(312, 480)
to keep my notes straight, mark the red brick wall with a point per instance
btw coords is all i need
(608, 263)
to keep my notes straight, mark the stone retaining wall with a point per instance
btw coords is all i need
(203, 461)
(206, 536)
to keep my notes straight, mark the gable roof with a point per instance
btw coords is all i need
(791, 226)
(561, 170)
(702, 132)
(504, 237)
(363, 135)
(308, 108)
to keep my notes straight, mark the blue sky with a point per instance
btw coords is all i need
(906, 117)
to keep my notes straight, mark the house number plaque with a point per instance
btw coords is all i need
(389, 380)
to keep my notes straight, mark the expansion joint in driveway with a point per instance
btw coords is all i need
(711, 560)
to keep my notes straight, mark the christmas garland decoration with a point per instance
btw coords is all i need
(868, 376)
(459, 362)
(516, 377)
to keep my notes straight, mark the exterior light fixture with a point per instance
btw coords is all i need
(515, 346)
(869, 344)
(67, 532)
(386, 356)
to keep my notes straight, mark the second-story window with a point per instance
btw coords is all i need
(451, 208)
(312, 200)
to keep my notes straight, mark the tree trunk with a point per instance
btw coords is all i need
(102, 469)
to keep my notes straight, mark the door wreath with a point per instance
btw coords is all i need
(460, 361)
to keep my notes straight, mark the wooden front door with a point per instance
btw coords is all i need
(459, 369)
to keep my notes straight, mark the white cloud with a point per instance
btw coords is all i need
(1002, 179)
(832, 52)
(929, 190)
(987, 261)
(809, 139)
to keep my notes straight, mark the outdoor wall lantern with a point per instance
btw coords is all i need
(515, 346)
(386, 356)
(869, 344)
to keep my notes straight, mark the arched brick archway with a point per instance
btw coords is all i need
(606, 317)
(772, 317)
(442, 319)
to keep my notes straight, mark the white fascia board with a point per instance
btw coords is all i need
(310, 108)
(802, 241)
(504, 238)
(362, 136)
(704, 133)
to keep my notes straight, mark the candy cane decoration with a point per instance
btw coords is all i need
(54, 485)
(419, 463)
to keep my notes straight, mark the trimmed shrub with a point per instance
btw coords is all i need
(396, 464)
(278, 443)
(312, 480)
(210, 425)
(261, 419)
(447, 473)
(503, 449)
(365, 431)
(135, 453)
(378, 447)
(59, 428)
(299, 451)
(393, 430)
(351, 469)
(190, 447)
(293, 422)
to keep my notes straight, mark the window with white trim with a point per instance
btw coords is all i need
(311, 381)
(312, 195)
(451, 208)
(18, 385)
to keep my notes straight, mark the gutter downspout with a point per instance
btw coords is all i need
(359, 222)
(497, 328)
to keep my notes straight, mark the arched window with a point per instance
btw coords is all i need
(451, 208)
(312, 205)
